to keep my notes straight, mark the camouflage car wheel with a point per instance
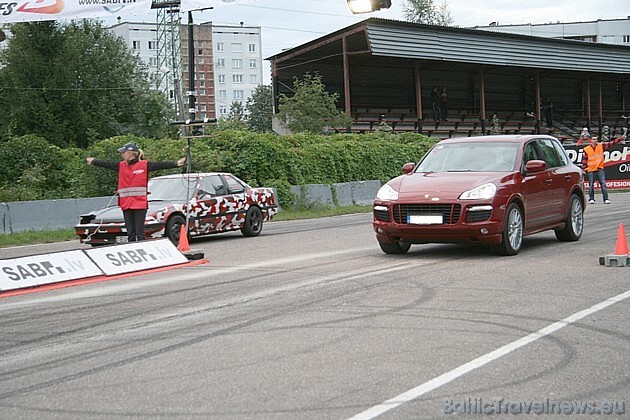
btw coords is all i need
(173, 228)
(253, 222)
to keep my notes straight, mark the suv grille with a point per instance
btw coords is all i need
(450, 212)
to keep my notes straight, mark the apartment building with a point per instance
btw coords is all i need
(227, 60)
(606, 31)
(237, 64)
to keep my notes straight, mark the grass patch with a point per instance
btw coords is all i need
(319, 211)
(61, 235)
(37, 237)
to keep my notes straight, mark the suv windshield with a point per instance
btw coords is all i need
(470, 157)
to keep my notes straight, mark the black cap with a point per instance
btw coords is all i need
(128, 147)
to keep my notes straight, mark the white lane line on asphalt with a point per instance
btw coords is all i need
(462, 370)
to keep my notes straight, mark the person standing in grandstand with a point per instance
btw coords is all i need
(435, 102)
(443, 104)
(547, 110)
(593, 165)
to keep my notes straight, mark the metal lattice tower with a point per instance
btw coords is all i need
(169, 53)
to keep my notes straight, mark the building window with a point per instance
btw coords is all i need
(201, 92)
(238, 94)
(199, 52)
(252, 48)
(221, 78)
(252, 63)
(201, 76)
(203, 107)
(223, 94)
(253, 78)
(153, 45)
(237, 48)
(202, 84)
(136, 45)
(237, 78)
(153, 61)
(237, 63)
(626, 39)
(220, 47)
(223, 110)
(200, 60)
(221, 62)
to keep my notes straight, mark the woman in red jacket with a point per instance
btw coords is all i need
(133, 177)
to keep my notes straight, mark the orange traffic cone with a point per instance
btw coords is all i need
(622, 244)
(183, 240)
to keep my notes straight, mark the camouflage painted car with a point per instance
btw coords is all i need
(217, 202)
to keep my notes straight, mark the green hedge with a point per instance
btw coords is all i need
(35, 169)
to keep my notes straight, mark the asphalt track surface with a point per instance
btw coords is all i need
(311, 320)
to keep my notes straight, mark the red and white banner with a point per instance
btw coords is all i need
(39, 10)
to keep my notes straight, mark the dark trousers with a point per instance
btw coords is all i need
(601, 178)
(443, 110)
(134, 222)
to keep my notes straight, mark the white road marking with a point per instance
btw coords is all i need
(459, 371)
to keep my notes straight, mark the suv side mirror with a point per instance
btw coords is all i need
(408, 168)
(533, 166)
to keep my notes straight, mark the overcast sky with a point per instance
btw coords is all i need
(289, 23)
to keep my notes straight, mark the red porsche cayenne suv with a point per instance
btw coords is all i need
(489, 190)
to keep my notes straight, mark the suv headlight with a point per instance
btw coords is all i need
(482, 192)
(387, 193)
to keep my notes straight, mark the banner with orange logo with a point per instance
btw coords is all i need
(38, 10)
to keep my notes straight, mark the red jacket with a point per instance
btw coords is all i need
(132, 185)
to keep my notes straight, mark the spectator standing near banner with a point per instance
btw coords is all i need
(593, 165)
(584, 136)
(133, 177)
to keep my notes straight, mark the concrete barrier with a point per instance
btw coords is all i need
(20, 216)
(359, 193)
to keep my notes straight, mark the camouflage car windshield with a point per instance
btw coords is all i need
(171, 189)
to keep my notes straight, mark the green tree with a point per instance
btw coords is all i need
(259, 107)
(311, 108)
(237, 111)
(425, 11)
(74, 84)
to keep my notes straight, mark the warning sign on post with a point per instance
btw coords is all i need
(135, 256)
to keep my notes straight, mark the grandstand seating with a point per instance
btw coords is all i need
(462, 123)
